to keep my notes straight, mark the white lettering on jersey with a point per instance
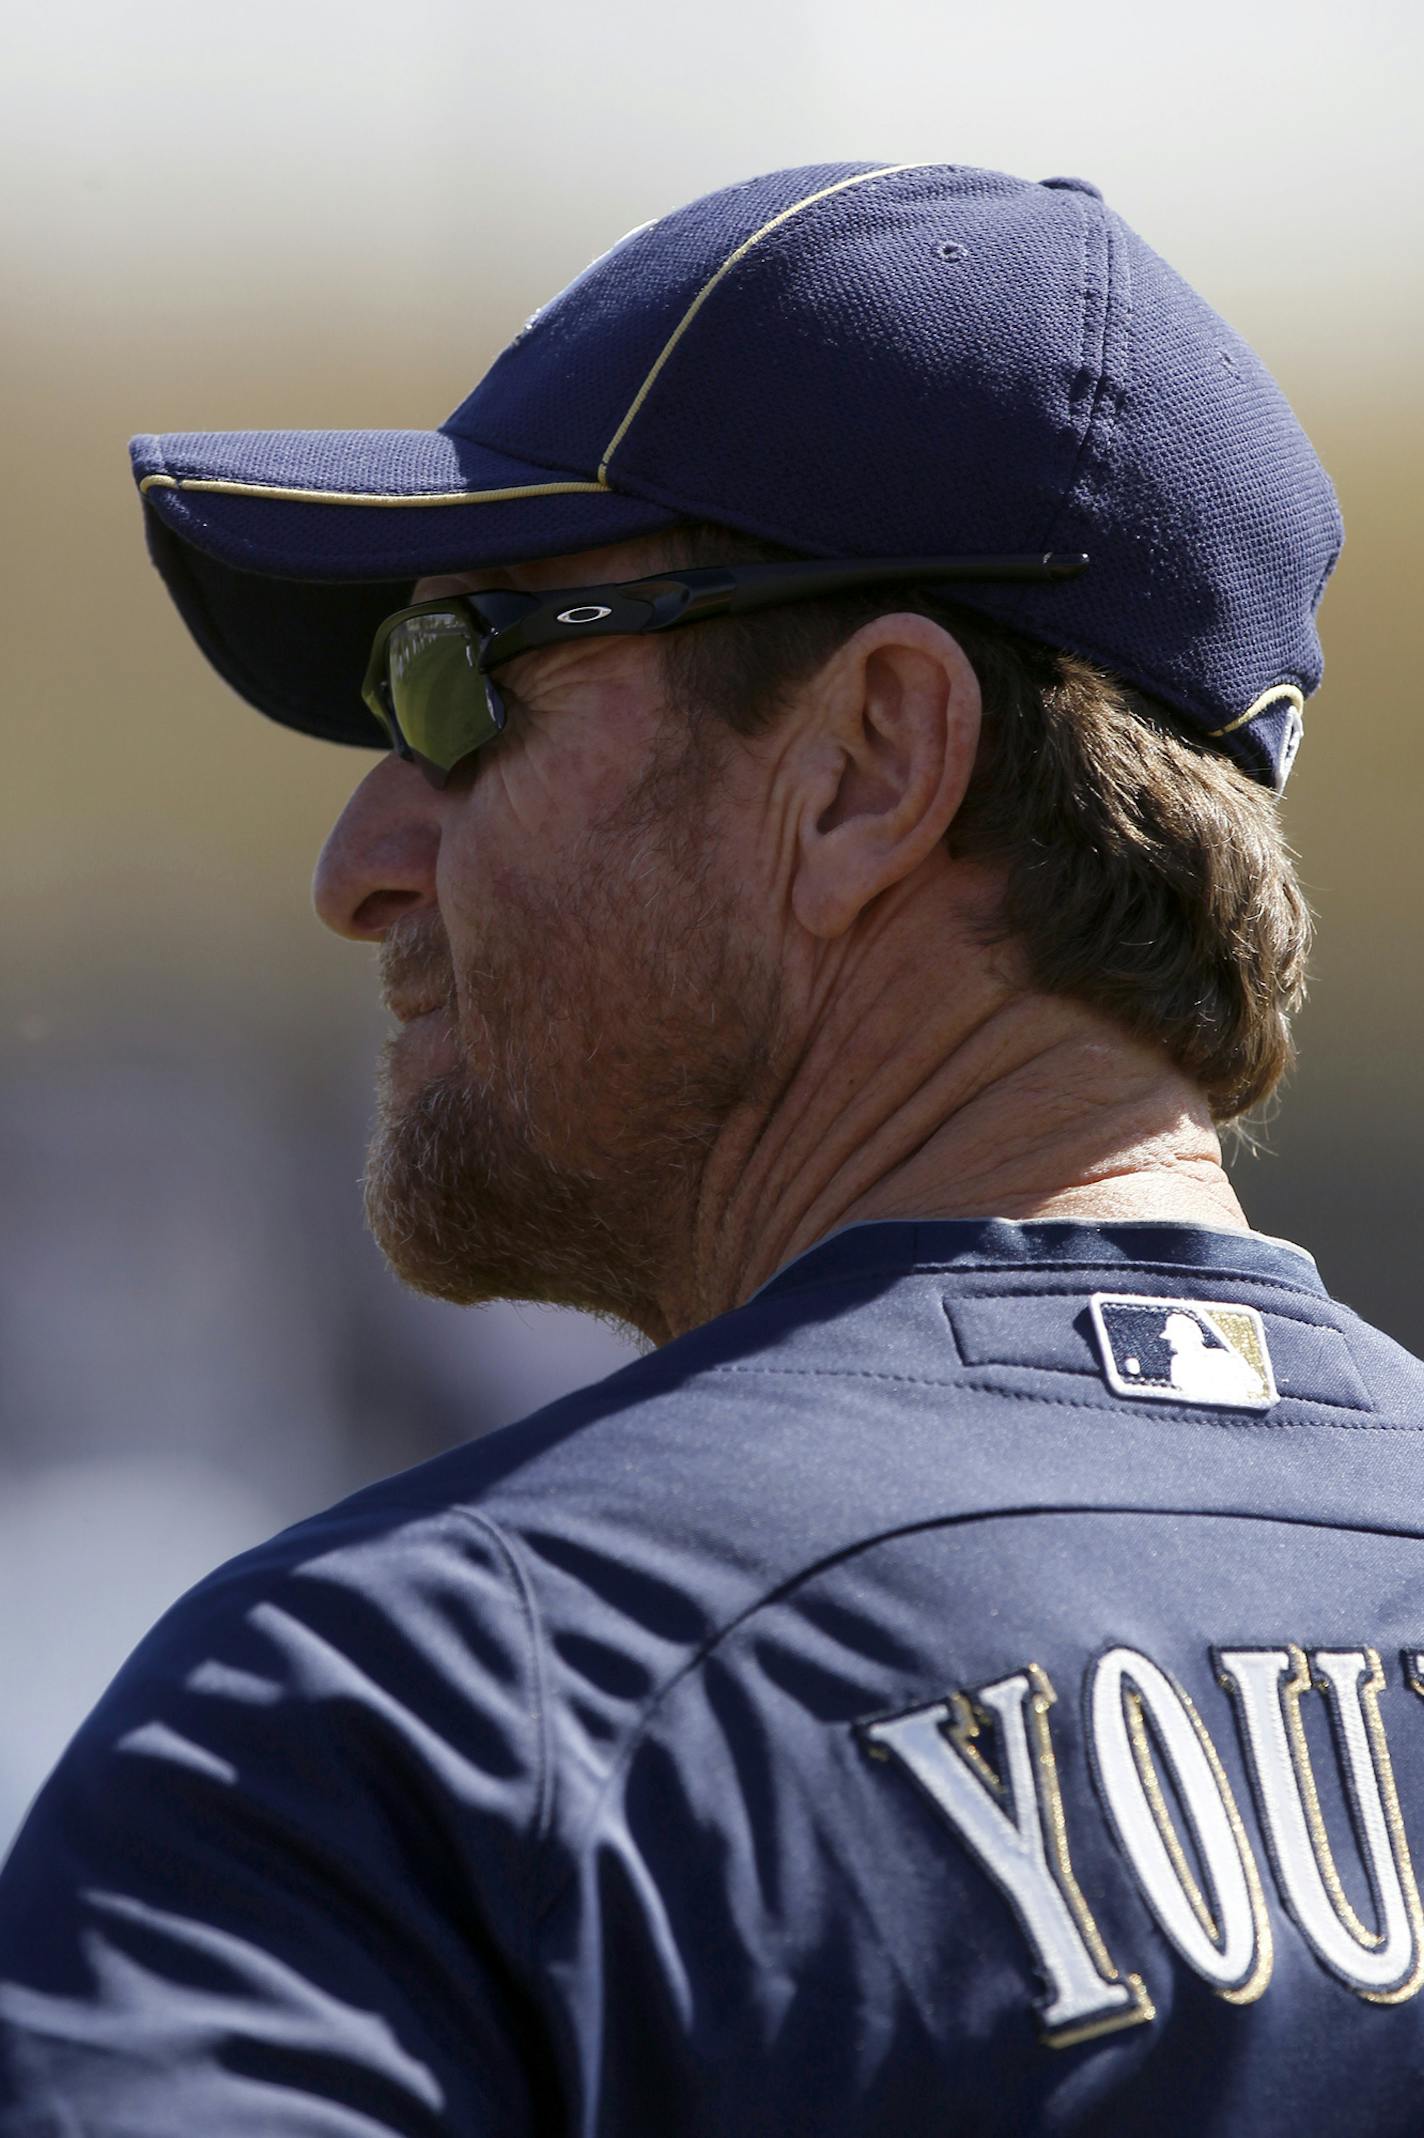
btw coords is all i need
(1015, 1826)
(1226, 1938)
(1384, 1965)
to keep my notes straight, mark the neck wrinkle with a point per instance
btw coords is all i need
(776, 1164)
(1040, 1109)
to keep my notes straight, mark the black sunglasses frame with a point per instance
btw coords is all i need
(507, 622)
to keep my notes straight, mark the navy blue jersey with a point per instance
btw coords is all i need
(973, 1687)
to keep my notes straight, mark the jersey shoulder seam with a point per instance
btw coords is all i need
(505, 1545)
(966, 1517)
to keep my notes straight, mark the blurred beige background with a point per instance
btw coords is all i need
(317, 215)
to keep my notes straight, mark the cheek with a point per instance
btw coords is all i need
(536, 802)
(566, 776)
(511, 886)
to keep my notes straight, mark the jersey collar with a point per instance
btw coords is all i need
(875, 1245)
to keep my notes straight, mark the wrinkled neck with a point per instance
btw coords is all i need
(1033, 1107)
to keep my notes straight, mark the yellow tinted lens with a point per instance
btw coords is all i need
(437, 690)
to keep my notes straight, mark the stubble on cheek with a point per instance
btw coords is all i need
(601, 1042)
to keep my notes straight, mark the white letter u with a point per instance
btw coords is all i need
(1383, 1965)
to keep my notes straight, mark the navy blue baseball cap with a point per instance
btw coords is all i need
(851, 360)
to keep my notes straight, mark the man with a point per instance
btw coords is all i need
(963, 1676)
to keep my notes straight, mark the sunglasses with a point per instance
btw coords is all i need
(429, 681)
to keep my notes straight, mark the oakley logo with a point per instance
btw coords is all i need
(588, 615)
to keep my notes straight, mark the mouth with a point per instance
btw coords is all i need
(413, 1012)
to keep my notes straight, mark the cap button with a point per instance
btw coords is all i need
(1074, 185)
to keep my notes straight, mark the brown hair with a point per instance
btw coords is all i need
(1144, 873)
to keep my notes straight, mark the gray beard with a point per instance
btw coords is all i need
(467, 1208)
(567, 1167)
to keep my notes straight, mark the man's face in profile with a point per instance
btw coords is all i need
(578, 910)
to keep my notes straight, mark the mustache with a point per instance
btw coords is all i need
(414, 961)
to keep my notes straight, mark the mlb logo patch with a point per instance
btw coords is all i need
(1184, 1350)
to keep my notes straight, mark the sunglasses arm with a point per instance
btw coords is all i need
(713, 590)
(661, 603)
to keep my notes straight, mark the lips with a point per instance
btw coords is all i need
(407, 1012)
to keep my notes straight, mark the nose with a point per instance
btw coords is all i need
(378, 862)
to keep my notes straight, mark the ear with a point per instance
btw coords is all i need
(898, 712)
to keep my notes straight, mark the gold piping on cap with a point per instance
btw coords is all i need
(1259, 705)
(361, 497)
(861, 178)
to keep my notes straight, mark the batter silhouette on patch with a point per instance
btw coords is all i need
(1184, 1351)
(1203, 1375)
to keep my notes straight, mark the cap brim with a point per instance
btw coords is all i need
(283, 550)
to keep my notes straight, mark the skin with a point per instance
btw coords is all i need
(706, 998)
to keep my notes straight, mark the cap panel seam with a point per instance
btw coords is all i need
(1090, 362)
(1115, 275)
(823, 193)
(1331, 561)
